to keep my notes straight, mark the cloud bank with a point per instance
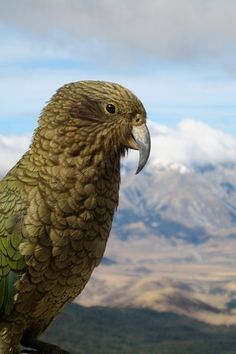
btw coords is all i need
(192, 143)
(163, 29)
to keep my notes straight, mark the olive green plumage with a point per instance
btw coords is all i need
(57, 204)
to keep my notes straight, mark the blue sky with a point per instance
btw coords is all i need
(178, 57)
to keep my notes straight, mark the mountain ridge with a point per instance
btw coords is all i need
(173, 244)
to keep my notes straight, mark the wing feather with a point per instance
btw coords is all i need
(12, 263)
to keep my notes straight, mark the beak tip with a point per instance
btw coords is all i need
(139, 169)
(141, 166)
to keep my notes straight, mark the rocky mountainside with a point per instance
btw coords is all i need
(178, 203)
(173, 243)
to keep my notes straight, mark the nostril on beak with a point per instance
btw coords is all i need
(138, 120)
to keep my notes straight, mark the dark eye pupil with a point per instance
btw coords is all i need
(111, 108)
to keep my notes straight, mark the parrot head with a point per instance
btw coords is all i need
(106, 112)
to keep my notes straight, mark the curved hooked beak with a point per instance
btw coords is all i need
(141, 136)
(140, 140)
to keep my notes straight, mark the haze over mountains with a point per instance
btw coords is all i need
(173, 242)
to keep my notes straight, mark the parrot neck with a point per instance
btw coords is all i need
(68, 164)
(67, 147)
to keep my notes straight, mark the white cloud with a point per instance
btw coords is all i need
(111, 29)
(11, 150)
(45, 44)
(191, 143)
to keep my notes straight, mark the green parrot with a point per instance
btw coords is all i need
(57, 204)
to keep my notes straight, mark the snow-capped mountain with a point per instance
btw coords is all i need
(178, 202)
(173, 244)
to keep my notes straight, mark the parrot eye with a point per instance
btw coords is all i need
(110, 108)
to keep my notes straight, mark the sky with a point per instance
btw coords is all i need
(177, 56)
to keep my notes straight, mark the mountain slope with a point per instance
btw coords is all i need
(173, 244)
(190, 206)
(100, 330)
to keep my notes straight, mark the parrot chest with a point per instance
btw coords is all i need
(65, 234)
(64, 258)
